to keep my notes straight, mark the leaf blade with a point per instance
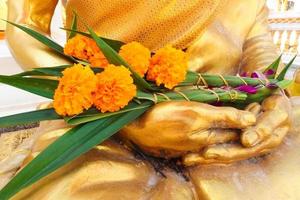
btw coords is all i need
(43, 39)
(86, 117)
(73, 26)
(273, 66)
(283, 84)
(282, 74)
(67, 148)
(29, 117)
(41, 87)
(115, 44)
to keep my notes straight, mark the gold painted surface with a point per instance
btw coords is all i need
(3, 14)
(295, 87)
(108, 171)
(28, 52)
(275, 176)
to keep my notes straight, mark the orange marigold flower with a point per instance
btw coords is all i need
(137, 56)
(168, 66)
(85, 48)
(74, 91)
(115, 89)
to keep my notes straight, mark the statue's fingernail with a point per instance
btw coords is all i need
(250, 139)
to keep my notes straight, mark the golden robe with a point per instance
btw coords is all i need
(220, 36)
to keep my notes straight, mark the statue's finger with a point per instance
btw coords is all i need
(214, 136)
(229, 117)
(254, 108)
(192, 159)
(267, 122)
(235, 152)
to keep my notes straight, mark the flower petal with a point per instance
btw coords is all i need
(247, 88)
(269, 72)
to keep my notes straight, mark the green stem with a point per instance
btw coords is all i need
(261, 94)
(204, 96)
(192, 78)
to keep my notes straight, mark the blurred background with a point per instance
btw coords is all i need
(284, 21)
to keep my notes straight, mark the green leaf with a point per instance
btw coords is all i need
(73, 26)
(30, 73)
(283, 84)
(285, 69)
(259, 96)
(29, 117)
(274, 67)
(94, 114)
(113, 57)
(45, 71)
(68, 147)
(115, 44)
(43, 39)
(51, 71)
(41, 87)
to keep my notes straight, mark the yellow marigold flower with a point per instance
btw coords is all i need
(115, 89)
(137, 56)
(85, 48)
(74, 91)
(168, 66)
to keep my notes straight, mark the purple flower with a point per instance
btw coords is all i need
(272, 86)
(247, 88)
(244, 74)
(255, 75)
(269, 72)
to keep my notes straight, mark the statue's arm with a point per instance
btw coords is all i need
(258, 49)
(37, 15)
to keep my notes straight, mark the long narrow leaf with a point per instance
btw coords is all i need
(114, 58)
(41, 87)
(283, 84)
(45, 71)
(261, 94)
(68, 147)
(285, 69)
(43, 39)
(50, 71)
(73, 26)
(31, 73)
(95, 114)
(115, 44)
(273, 66)
(29, 117)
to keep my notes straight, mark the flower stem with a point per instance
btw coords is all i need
(194, 78)
(204, 96)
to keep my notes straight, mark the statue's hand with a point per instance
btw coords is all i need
(273, 123)
(174, 129)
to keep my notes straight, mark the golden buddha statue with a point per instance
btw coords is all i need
(220, 36)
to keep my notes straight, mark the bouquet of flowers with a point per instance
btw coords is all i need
(111, 84)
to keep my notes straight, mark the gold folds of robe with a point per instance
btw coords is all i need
(219, 35)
